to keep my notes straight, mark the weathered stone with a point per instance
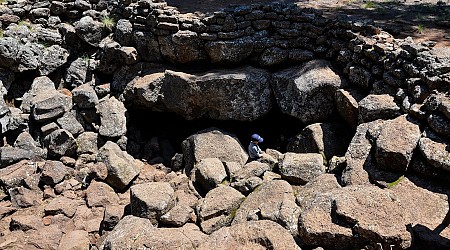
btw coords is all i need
(178, 216)
(218, 208)
(122, 167)
(100, 194)
(273, 56)
(251, 235)
(395, 144)
(147, 46)
(26, 142)
(112, 118)
(208, 173)
(435, 151)
(182, 47)
(129, 55)
(202, 145)
(273, 200)
(301, 168)
(10, 155)
(15, 175)
(112, 216)
(62, 205)
(322, 184)
(233, 51)
(75, 240)
(60, 143)
(78, 73)
(87, 143)
(151, 200)
(26, 222)
(54, 172)
(246, 185)
(49, 105)
(374, 107)
(53, 57)
(84, 96)
(46, 238)
(89, 30)
(70, 123)
(307, 92)
(440, 124)
(23, 197)
(347, 105)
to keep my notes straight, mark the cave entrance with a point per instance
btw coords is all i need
(169, 129)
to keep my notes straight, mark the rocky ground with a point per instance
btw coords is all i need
(367, 167)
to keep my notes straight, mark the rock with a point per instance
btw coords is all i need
(62, 205)
(322, 184)
(147, 46)
(75, 240)
(26, 142)
(373, 107)
(112, 118)
(435, 150)
(39, 85)
(53, 57)
(218, 208)
(127, 234)
(129, 55)
(347, 105)
(100, 194)
(208, 173)
(151, 200)
(202, 145)
(301, 168)
(25, 222)
(247, 185)
(251, 169)
(307, 92)
(87, 143)
(178, 216)
(54, 172)
(182, 47)
(250, 235)
(49, 105)
(395, 144)
(112, 216)
(440, 124)
(122, 167)
(327, 139)
(84, 96)
(19, 57)
(273, 56)
(78, 72)
(60, 143)
(70, 123)
(123, 32)
(16, 175)
(89, 30)
(242, 94)
(230, 51)
(273, 200)
(360, 76)
(46, 238)
(23, 197)
(10, 155)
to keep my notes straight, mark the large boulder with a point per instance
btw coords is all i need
(218, 208)
(251, 235)
(113, 120)
(203, 145)
(307, 91)
(122, 167)
(151, 200)
(395, 144)
(208, 173)
(300, 168)
(53, 57)
(272, 200)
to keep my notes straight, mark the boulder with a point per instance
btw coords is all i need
(25, 222)
(127, 234)
(147, 45)
(26, 142)
(272, 200)
(60, 143)
(123, 32)
(230, 51)
(301, 168)
(100, 194)
(218, 208)
(62, 205)
(151, 200)
(203, 145)
(39, 85)
(182, 47)
(395, 144)
(87, 143)
(322, 184)
(178, 216)
(46, 238)
(84, 96)
(241, 94)
(54, 172)
(53, 58)
(436, 151)
(373, 107)
(22, 197)
(10, 155)
(78, 72)
(122, 167)
(327, 139)
(347, 105)
(440, 124)
(208, 173)
(113, 120)
(49, 105)
(251, 235)
(89, 30)
(113, 214)
(70, 123)
(75, 240)
(307, 91)
(16, 175)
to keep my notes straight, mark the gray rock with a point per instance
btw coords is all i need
(49, 105)
(178, 216)
(273, 200)
(10, 155)
(40, 12)
(122, 167)
(208, 173)
(218, 208)
(273, 56)
(26, 142)
(123, 33)
(48, 36)
(84, 96)
(360, 76)
(53, 57)
(151, 200)
(60, 143)
(231, 51)
(440, 124)
(129, 55)
(202, 145)
(22, 197)
(374, 107)
(436, 151)
(78, 73)
(147, 46)
(87, 143)
(113, 121)
(39, 85)
(89, 30)
(301, 168)
(112, 216)
(49, 128)
(327, 139)
(70, 123)
(251, 235)
(395, 144)
(182, 47)
(307, 92)
(246, 185)
(347, 105)
(54, 172)
(17, 174)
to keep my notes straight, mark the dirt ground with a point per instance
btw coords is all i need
(423, 20)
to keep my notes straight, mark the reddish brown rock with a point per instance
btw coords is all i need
(26, 222)
(75, 240)
(100, 194)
